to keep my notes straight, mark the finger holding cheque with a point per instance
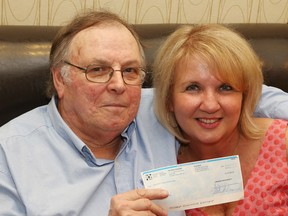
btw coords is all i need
(138, 202)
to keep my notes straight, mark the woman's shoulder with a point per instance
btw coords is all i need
(274, 126)
(263, 123)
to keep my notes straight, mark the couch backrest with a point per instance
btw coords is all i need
(24, 59)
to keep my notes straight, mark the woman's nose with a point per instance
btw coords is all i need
(210, 102)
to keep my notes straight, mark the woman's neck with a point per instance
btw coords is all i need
(195, 151)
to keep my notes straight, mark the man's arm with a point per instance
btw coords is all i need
(10, 201)
(273, 103)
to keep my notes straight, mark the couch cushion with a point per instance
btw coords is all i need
(24, 59)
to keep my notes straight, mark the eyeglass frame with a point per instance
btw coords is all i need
(85, 70)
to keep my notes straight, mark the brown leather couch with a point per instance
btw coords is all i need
(24, 52)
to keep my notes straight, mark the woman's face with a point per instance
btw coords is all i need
(205, 108)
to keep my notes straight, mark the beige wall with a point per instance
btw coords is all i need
(57, 12)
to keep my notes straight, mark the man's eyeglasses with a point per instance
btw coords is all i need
(102, 74)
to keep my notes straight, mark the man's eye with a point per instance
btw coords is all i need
(130, 70)
(225, 87)
(98, 69)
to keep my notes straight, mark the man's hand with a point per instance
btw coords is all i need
(138, 202)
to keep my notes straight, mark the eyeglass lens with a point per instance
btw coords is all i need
(131, 75)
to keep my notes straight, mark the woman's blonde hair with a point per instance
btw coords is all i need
(227, 51)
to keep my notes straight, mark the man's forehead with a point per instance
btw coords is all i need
(103, 27)
(100, 31)
(104, 42)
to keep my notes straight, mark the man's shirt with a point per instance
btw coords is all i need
(273, 103)
(45, 169)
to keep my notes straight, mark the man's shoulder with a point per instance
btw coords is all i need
(147, 93)
(146, 119)
(146, 103)
(25, 123)
(147, 96)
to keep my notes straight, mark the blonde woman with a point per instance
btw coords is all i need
(208, 81)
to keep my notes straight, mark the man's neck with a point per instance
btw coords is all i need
(106, 151)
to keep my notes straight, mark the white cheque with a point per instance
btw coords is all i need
(198, 184)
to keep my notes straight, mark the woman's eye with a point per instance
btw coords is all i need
(225, 87)
(193, 87)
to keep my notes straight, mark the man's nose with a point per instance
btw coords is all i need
(116, 82)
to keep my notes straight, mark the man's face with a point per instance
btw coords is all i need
(90, 108)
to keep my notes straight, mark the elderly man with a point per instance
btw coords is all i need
(87, 145)
(71, 156)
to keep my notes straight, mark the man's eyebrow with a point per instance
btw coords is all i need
(132, 62)
(106, 62)
(99, 61)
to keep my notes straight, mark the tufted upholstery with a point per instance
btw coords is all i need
(24, 53)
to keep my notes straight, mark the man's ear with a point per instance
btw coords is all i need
(58, 81)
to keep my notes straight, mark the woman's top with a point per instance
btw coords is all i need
(266, 191)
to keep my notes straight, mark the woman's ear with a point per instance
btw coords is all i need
(171, 107)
